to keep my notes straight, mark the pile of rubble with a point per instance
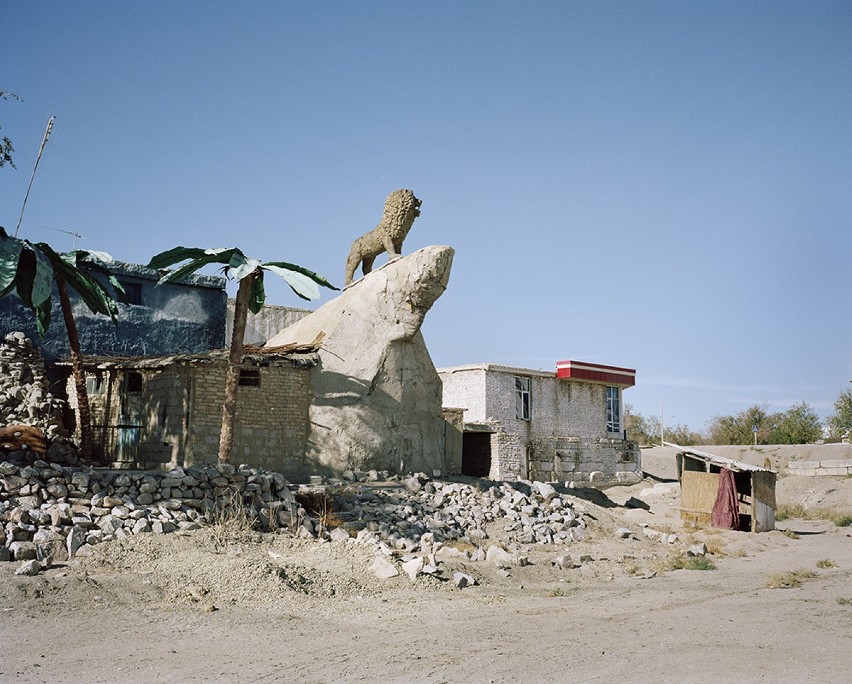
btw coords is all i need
(25, 397)
(53, 512)
(533, 512)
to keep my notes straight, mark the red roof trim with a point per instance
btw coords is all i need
(595, 372)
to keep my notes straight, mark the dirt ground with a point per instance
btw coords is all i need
(192, 607)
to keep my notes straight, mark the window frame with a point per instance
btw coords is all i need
(523, 397)
(612, 403)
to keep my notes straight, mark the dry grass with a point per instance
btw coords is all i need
(716, 547)
(322, 505)
(230, 520)
(843, 601)
(461, 545)
(790, 534)
(841, 518)
(826, 563)
(789, 580)
(630, 568)
(681, 562)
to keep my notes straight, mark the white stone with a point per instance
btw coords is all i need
(413, 568)
(462, 580)
(382, 568)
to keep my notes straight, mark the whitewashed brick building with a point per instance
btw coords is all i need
(531, 424)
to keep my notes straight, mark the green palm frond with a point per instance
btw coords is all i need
(237, 265)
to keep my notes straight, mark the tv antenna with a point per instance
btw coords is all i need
(75, 234)
(35, 167)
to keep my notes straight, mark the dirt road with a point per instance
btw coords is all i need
(270, 608)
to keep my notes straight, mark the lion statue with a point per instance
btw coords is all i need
(401, 208)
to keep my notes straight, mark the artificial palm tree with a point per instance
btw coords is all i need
(250, 297)
(31, 269)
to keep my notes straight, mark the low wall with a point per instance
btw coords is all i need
(826, 467)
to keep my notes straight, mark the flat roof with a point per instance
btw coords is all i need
(498, 368)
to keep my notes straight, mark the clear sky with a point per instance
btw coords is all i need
(665, 186)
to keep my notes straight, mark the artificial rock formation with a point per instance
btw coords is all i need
(377, 396)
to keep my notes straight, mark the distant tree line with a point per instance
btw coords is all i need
(797, 425)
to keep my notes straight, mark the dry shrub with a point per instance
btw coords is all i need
(789, 580)
(790, 534)
(826, 563)
(681, 562)
(461, 545)
(323, 505)
(230, 519)
(841, 518)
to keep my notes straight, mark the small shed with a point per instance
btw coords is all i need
(704, 479)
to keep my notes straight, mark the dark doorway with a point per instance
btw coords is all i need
(476, 454)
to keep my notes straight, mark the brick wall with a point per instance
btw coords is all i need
(272, 419)
(179, 414)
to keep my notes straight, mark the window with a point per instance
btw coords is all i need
(249, 378)
(133, 383)
(522, 398)
(613, 409)
(94, 383)
(133, 290)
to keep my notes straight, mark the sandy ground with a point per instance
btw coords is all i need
(270, 608)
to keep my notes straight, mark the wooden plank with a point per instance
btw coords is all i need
(763, 486)
(698, 494)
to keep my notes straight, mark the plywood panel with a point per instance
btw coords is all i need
(698, 494)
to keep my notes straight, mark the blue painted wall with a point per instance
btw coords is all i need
(185, 317)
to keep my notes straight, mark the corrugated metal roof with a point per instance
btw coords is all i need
(720, 461)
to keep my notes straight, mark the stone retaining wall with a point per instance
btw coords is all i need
(814, 468)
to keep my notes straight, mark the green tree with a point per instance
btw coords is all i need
(31, 269)
(250, 297)
(738, 429)
(637, 427)
(797, 425)
(6, 147)
(840, 422)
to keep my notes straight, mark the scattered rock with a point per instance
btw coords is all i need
(462, 580)
(382, 568)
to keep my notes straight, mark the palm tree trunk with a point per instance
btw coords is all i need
(235, 360)
(83, 410)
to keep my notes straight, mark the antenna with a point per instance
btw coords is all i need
(38, 158)
(76, 235)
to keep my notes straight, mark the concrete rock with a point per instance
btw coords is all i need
(382, 568)
(462, 580)
(371, 350)
(413, 568)
(31, 568)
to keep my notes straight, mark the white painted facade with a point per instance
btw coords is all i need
(565, 436)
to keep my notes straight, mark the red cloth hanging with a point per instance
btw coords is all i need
(726, 511)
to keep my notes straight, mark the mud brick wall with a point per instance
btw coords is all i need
(272, 418)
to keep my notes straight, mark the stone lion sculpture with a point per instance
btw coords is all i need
(401, 208)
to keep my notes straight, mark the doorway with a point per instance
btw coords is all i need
(476, 454)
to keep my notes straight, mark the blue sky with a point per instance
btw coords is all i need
(659, 185)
